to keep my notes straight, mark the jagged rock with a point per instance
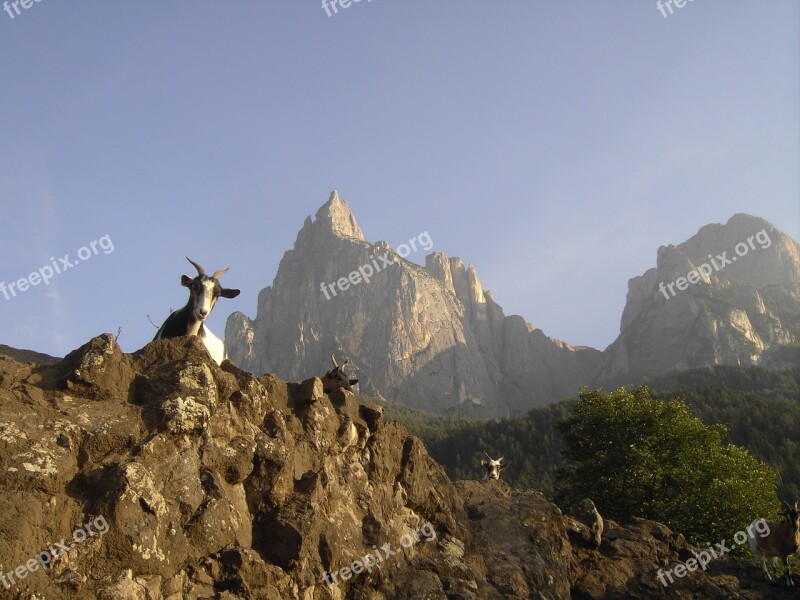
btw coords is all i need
(742, 313)
(212, 481)
(428, 337)
(272, 495)
(311, 390)
(372, 414)
(587, 514)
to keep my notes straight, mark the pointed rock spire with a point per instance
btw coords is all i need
(336, 216)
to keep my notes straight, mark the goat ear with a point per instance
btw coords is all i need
(229, 293)
(353, 381)
(186, 281)
(484, 463)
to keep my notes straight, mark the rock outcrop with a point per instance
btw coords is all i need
(161, 476)
(211, 481)
(743, 307)
(434, 339)
(429, 337)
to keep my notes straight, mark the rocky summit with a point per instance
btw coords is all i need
(729, 295)
(158, 475)
(429, 337)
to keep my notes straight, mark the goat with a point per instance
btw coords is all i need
(337, 378)
(781, 540)
(204, 291)
(493, 467)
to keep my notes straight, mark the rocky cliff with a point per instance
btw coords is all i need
(433, 338)
(161, 476)
(728, 295)
(428, 337)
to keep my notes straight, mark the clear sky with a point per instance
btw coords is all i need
(553, 144)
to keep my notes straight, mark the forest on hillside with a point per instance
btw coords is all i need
(760, 409)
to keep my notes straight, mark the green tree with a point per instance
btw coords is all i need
(635, 456)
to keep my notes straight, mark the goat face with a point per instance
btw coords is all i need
(337, 378)
(792, 514)
(204, 291)
(493, 468)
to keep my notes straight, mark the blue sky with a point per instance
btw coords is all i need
(554, 145)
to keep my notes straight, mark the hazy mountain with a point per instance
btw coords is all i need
(740, 304)
(433, 338)
(428, 337)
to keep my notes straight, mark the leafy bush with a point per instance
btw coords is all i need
(636, 456)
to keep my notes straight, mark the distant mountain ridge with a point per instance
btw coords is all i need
(433, 338)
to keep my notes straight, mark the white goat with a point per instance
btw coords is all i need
(204, 291)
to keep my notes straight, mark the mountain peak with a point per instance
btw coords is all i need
(336, 216)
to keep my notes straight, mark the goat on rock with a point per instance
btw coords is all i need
(337, 378)
(493, 467)
(204, 291)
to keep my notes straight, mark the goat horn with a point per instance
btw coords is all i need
(333, 360)
(487, 456)
(220, 273)
(200, 270)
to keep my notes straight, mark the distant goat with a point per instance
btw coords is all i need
(781, 541)
(337, 378)
(204, 291)
(493, 467)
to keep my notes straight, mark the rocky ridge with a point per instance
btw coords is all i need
(214, 483)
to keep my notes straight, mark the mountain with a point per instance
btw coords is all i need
(729, 295)
(428, 337)
(165, 476)
(431, 337)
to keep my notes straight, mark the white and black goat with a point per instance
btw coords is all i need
(204, 291)
(493, 467)
(781, 541)
(337, 378)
